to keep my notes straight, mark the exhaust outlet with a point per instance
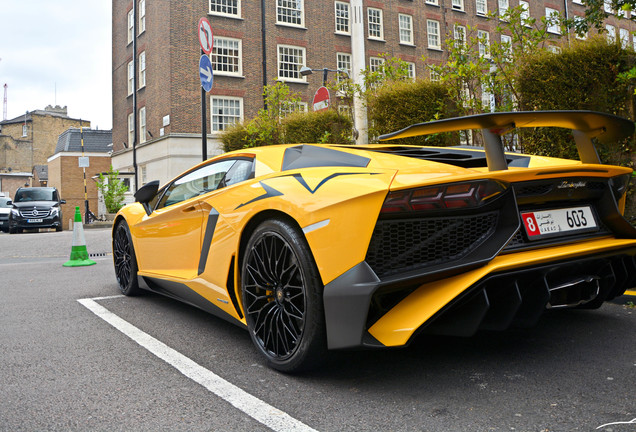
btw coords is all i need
(574, 293)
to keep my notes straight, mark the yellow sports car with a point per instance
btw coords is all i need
(317, 247)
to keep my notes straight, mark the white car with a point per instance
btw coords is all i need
(5, 209)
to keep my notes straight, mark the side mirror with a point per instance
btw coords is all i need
(62, 201)
(9, 203)
(146, 193)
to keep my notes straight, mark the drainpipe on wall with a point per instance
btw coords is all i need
(134, 95)
(358, 64)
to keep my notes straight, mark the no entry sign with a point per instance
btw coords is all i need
(321, 99)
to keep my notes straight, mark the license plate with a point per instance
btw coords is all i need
(549, 223)
(34, 220)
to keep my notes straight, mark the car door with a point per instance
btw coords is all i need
(169, 239)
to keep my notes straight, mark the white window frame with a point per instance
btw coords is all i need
(433, 38)
(343, 62)
(577, 2)
(405, 23)
(142, 16)
(220, 43)
(131, 77)
(375, 23)
(459, 33)
(525, 14)
(142, 125)
(457, 5)
(607, 6)
(481, 7)
(375, 63)
(484, 49)
(142, 69)
(286, 11)
(624, 37)
(611, 33)
(342, 17)
(131, 130)
(583, 36)
(434, 76)
(280, 49)
(411, 70)
(553, 28)
(504, 5)
(131, 25)
(432, 2)
(25, 129)
(215, 125)
(220, 8)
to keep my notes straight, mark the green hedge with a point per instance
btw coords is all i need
(403, 103)
(317, 127)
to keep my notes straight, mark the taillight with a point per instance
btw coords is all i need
(449, 196)
(619, 184)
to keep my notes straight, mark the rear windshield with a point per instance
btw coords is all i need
(35, 195)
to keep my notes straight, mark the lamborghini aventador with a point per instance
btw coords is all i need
(318, 247)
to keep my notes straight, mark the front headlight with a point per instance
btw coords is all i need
(55, 211)
(15, 212)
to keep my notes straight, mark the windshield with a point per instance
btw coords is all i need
(3, 202)
(34, 194)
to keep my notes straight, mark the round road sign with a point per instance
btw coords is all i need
(321, 99)
(205, 73)
(206, 37)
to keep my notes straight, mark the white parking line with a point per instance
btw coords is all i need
(260, 411)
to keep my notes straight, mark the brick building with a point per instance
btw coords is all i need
(65, 173)
(29, 139)
(261, 42)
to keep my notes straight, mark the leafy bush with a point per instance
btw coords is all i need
(317, 127)
(402, 103)
(112, 189)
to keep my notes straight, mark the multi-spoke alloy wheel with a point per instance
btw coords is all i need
(282, 297)
(124, 259)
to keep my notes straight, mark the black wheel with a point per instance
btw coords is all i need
(58, 228)
(282, 298)
(125, 261)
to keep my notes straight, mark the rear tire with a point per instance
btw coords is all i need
(282, 298)
(125, 260)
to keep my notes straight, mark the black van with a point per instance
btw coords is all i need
(36, 207)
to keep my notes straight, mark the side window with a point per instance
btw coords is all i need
(240, 171)
(198, 182)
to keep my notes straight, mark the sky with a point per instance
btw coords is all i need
(57, 52)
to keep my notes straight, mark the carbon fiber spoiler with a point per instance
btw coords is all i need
(585, 125)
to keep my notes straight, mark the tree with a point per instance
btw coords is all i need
(595, 14)
(112, 189)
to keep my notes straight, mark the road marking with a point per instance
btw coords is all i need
(260, 411)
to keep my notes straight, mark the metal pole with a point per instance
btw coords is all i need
(86, 210)
(264, 50)
(204, 129)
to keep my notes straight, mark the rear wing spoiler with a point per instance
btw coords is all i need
(585, 125)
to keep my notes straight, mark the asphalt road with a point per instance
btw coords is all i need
(64, 366)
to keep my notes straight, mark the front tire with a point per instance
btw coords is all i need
(125, 260)
(282, 298)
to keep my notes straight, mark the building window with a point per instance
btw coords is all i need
(525, 11)
(458, 5)
(481, 7)
(406, 29)
(290, 12)
(459, 34)
(503, 7)
(142, 69)
(435, 76)
(624, 35)
(24, 128)
(142, 16)
(376, 30)
(131, 25)
(411, 69)
(287, 108)
(343, 63)
(433, 2)
(577, 1)
(484, 43)
(342, 18)
(226, 56)
(142, 125)
(611, 33)
(432, 30)
(143, 174)
(607, 6)
(225, 111)
(578, 19)
(552, 18)
(290, 60)
(131, 78)
(506, 44)
(225, 7)
(375, 63)
(131, 130)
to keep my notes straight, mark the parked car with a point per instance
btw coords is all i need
(316, 247)
(5, 210)
(36, 207)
